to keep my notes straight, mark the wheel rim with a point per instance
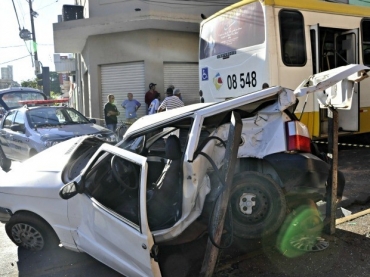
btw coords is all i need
(251, 205)
(27, 236)
(246, 203)
(309, 243)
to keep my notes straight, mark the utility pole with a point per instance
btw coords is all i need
(32, 14)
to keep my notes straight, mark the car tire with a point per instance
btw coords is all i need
(5, 163)
(33, 152)
(258, 205)
(31, 232)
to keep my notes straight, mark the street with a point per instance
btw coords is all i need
(348, 250)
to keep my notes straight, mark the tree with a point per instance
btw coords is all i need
(30, 83)
(54, 82)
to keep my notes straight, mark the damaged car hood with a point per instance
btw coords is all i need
(42, 172)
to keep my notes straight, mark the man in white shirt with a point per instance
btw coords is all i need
(170, 102)
(153, 108)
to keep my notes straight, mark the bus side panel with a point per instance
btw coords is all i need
(272, 42)
(292, 76)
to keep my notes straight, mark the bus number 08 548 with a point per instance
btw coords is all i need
(249, 79)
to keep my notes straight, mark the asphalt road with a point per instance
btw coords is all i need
(347, 255)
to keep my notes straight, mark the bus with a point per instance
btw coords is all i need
(282, 42)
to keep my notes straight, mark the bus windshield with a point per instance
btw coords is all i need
(235, 29)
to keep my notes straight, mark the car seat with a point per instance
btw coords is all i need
(164, 199)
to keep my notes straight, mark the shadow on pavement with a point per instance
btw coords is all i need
(60, 262)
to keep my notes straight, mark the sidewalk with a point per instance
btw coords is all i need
(356, 168)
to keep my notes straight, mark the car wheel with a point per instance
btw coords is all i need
(33, 152)
(31, 232)
(258, 205)
(5, 163)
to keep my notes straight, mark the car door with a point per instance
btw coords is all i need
(6, 134)
(19, 139)
(109, 220)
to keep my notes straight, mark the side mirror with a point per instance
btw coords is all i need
(92, 120)
(68, 191)
(17, 128)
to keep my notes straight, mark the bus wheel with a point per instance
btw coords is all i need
(258, 205)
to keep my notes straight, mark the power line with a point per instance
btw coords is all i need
(21, 45)
(47, 5)
(11, 46)
(15, 59)
(19, 25)
(22, 11)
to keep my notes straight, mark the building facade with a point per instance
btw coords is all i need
(123, 46)
(7, 73)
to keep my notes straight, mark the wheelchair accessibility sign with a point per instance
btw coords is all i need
(205, 74)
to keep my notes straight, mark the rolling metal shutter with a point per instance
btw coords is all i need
(185, 77)
(120, 79)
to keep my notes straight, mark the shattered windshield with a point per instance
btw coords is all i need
(44, 117)
(135, 145)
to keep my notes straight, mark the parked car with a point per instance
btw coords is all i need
(10, 98)
(27, 131)
(120, 203)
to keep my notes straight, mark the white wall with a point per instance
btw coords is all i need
(154, 47)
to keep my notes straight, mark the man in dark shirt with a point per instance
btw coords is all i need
(110, 113)
(150, 95)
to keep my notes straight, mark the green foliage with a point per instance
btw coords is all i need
(30, 83)
(54, 82)
(54, 95)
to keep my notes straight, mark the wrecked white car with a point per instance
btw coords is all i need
(118, 203)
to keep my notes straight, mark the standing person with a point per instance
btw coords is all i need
(150, 95)
(170, 102)
(153, 108)
(177, 93)
(110, 113)
(131, 105)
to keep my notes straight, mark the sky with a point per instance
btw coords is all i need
(13, 50)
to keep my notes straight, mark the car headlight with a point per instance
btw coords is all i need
(50, 143)
(107, 138)
(111, 138)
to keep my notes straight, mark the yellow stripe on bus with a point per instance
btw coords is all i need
(365, 119)
(309, 5)
(311, 120)
(320, 6)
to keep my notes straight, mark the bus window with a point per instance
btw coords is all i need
(235, 29)
(365, 29)
(292, 40)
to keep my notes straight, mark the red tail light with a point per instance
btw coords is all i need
(298, 138)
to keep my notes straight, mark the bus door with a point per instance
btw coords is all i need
(332, 48)
(346, 52)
